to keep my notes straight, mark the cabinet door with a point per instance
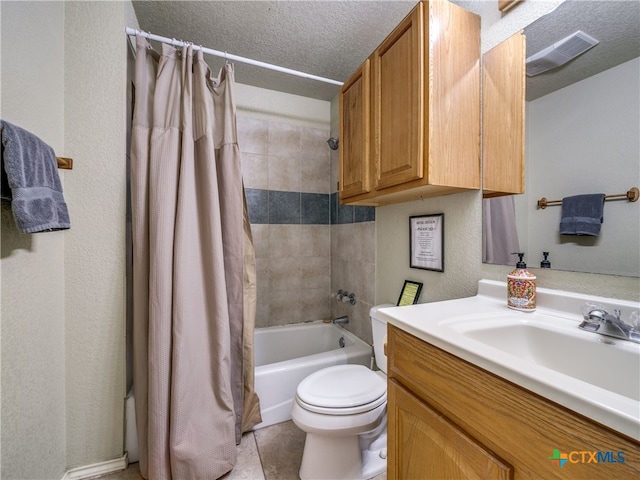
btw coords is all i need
(424, 444)
(503, 114)
(355, 128)
(398, 72)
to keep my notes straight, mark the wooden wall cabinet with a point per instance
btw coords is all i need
(503, 118)
(424, 116)
(451, 419)
(355, 128)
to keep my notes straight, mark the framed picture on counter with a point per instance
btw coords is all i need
(426, 238)
(410, 293)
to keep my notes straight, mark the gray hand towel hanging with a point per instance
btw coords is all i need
(30, 181)
(582, 214)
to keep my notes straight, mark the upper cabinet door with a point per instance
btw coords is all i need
(398, 103)
(503, 117)
(355, 129)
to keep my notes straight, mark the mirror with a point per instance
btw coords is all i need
(582, 136)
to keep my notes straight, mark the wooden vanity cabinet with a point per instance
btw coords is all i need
(449, 419)
(503, 117)
(424, 116)
(427, 445)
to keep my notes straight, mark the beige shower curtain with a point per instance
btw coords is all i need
(193, 269)
(499, 233)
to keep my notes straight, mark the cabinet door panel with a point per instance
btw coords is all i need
(355, 126)
(424, 444)
(454, 97)
(398, 71)
(503, 114)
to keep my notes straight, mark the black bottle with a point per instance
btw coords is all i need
(545, 263)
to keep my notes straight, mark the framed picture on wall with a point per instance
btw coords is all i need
(426, 238)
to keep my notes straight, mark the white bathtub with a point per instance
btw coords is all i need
(285, 355)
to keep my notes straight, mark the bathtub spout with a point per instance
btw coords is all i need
(341, 320)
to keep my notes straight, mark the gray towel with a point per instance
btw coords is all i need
(30, 181)
(582, 214)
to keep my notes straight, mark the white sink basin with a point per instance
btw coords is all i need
(543, 351)
(541, 339)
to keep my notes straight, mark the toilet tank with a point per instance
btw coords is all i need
(379, 331)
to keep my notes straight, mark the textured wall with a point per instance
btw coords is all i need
(32, 295)
(95, 96)
(462, 248)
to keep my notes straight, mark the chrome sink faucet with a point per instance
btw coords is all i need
(597, 320)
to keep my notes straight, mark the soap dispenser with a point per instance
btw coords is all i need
(545, 263)
(521, 287)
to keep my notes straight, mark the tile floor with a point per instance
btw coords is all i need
(271, 453)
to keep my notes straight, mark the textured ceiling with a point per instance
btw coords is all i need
(325, 38)
(332, 38)
(615, 23)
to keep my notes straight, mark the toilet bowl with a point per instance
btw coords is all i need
(342, 409)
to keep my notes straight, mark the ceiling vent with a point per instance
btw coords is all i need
(560, 53)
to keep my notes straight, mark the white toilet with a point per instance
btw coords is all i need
(343, 410)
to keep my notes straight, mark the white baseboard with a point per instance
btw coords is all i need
(102, 468)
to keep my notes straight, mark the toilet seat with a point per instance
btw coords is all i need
(342, 390)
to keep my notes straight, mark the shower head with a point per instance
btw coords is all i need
(333, 143)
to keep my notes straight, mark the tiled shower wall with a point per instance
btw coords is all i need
(353, 250)
(297, 223)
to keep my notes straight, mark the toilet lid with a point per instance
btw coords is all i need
(342, 386)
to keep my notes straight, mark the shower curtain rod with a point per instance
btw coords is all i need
(228, 56)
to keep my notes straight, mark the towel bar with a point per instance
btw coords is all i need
(632, 195)
(65, 163)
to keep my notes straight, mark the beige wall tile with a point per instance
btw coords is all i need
(262, 288)
(260, 233)
(284, 240)
(302, 265)
(285, 275)
(255, 170)
(344, 242)
(313, 142)
(284, 173)
(253, 135)
(283, 309)
(314, 304)
(353, 270)
(315, 241)
(284, 140)
(315, 272)
(314, 174)
(315, 161)
(364, 236)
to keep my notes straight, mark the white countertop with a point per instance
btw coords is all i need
(443, 324)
